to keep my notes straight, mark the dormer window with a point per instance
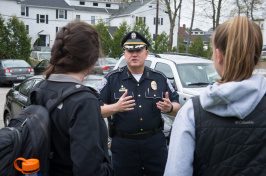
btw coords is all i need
(108, 5)
(95, 4)
(81, 3)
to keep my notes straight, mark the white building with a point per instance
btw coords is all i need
(43, 18)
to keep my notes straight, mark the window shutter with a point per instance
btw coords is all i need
(137, 18)
(27, 11)
(154, 21)
(37, 18)
(144, 19)
(161, 21)
(46, 19)
(56, 14)
(56, 29)
(66, 14)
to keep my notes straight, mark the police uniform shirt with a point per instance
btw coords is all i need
(147, 92)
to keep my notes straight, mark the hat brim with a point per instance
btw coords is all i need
(134, 47)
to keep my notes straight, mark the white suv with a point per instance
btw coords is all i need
(188, 75)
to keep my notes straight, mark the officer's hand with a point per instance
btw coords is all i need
(125, 104)
(166, 105)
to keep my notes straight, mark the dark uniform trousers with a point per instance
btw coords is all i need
(129, 156)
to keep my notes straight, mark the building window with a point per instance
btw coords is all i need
(142, 19)
(78, 17)
(81, 3)
(95, 4)
(201, 32)
(27, 29)
(61, 13)
(150, 6)
(160, 21)
(23, 11)
(108, 5)
(261, 26)
(92, 19)
(42, 18)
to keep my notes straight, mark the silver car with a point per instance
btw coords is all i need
(14, 70)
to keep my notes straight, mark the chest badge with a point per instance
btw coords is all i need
(154, 85)
(122, 89)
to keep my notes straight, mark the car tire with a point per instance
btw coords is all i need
(7, 119)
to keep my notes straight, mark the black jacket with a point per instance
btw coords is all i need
(78, 133)
(230, 146)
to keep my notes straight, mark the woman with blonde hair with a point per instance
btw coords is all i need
(222, 132)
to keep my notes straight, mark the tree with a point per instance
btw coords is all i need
(246, 7)
(38, 42)
(105, 37)
(20, 43)
(172, 18)
(141, 27)
(196, 47)
(178, 26)
(190, 29)
(116, 49)
(161, 44)
(4, 39)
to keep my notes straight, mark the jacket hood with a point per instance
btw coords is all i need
(236, 99)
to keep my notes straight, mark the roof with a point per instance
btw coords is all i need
(47, 3)
(93, 9)
(129, 7)
(205, 38)
(112, 30)
(197, 29)
(178, 59)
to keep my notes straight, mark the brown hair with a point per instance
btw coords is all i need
(76, 48)
(240, 41)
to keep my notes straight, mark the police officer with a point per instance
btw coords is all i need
(135, 95)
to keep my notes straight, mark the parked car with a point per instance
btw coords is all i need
(40, 55)
(263, 54)
(188, 75)
(104, 65)
(14, 70)
(17, 96)
(41, 67)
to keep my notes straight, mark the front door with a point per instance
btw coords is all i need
(43, 38)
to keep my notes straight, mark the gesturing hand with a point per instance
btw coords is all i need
(166, 104)
(124, 103)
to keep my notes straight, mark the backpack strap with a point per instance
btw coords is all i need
(63, 94)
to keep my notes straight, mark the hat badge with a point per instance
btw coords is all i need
(133, 35)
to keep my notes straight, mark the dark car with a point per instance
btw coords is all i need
(14, 70)
(41, 67)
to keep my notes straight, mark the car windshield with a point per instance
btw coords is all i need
(45, 55)
(15, 63)
(197, 74)
(107, 61)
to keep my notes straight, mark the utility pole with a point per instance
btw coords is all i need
(156, 28)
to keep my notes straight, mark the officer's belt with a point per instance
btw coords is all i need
(138, 136)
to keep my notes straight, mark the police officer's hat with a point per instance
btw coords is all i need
(134, 41)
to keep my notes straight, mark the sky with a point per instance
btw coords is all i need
(203, 12)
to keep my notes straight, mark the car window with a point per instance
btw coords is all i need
(36, 82)
(122, 63)
(148, 63)
(43, 63)
(166, 69)
(15, 63)
(197, 74)
(25, 87)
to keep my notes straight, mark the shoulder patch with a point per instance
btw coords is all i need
(170, 85)
(103, 83)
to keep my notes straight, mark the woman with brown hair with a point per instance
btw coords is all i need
(222, 132)
(78, 131)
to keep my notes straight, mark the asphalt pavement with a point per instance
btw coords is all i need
(3, 91)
